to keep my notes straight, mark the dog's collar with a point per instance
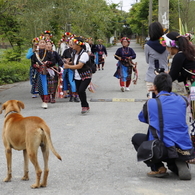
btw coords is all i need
(10, 113)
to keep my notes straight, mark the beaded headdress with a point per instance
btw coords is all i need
(35, 40)
(48, 40)
(125, 38)
(48, 32)
(77, 42)
(67, 34)
(41, 37)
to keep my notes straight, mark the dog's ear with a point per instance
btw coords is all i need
(20, 104)
(2, 108)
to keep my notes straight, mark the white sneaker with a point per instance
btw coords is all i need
(127, 89)
(123, 89)
(34, 96)
(44, 105)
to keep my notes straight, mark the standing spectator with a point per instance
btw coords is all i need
(83, 72)
(124, 55)
(33, 71)
(155, 54)
(175, 129)
(101, 50)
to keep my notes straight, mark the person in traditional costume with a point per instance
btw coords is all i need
(52, 76)
(124, 55)
(87, 47)
(42, 60)
(64, 43)
(33, 71)
(48, 36)
(68, 76)
(92, 53)
(92, 45)
(59, 48)
(82, 71)
(102, 52)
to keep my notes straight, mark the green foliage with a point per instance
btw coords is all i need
(22, 20)
(138, 17)
(10, 25)
(12, 72)
(11, 54)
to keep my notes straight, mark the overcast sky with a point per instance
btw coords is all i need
(126, 3)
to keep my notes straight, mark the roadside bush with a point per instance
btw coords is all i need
(11, 72)
(11, 54)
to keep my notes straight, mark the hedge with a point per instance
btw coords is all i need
(11, 72)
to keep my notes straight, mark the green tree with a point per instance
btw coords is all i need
(9, 25)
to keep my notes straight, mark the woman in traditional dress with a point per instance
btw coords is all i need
(48, 36)
(68, 76)
(124, 55)
(101, 50)
(83, 72)
(41, 60)
(52, 76)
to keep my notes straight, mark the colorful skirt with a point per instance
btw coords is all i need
(123, 72)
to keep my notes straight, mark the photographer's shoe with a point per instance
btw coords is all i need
(162, 172)
(183, 170)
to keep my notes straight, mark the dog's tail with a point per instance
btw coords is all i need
(48, 137)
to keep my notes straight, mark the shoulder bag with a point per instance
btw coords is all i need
(153, 150)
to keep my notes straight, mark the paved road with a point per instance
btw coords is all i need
(98, 157)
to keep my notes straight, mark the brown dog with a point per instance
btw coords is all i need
(27, 134)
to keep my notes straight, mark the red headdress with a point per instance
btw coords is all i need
(125, 38)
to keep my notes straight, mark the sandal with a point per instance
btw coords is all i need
(162, 172)
(53, 101)
(192, 161)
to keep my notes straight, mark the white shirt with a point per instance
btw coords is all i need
(88, 48)
(83, 59)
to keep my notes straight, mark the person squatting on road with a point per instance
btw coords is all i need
(124, 55)
(82, 71)
(175, 137)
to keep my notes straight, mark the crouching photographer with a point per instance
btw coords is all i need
(167, 123)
